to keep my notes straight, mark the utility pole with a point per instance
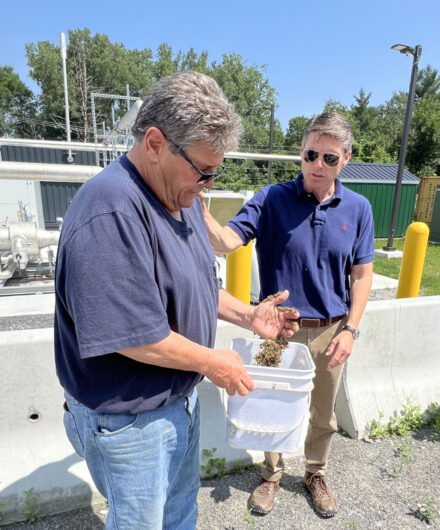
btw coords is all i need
(269, 164)
(63, 52)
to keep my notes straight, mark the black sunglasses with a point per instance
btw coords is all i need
(330, 159)
(204, 177)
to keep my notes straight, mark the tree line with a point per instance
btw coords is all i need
(97, 65)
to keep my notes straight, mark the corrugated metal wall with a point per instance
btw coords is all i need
(56, 198)
(381, 197)
(23, 153)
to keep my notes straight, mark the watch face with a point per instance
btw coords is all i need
(356, 334)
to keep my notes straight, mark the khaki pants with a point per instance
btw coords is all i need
(322, 422)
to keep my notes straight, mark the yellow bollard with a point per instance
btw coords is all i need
(238, 273)
(413, 259)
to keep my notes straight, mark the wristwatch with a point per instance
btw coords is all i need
(355, 332)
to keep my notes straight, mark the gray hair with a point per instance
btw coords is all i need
(331, 124)
(189, 108)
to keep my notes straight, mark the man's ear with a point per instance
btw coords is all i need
(346, 159)
(154, 143)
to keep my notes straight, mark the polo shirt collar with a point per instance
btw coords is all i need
(299, 186)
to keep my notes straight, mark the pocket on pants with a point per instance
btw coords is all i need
(72, 431)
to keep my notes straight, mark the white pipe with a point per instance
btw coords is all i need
(9, 270)
(50, 172)
(52, 144)
(125, 121)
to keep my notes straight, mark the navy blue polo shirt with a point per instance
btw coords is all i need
(127, 274)
(308, 247)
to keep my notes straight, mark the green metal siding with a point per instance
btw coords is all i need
(381, 196)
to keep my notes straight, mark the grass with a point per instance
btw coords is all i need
(430, 284)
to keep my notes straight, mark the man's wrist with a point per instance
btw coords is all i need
(355, 332)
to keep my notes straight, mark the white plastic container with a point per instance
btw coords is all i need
(274, 416)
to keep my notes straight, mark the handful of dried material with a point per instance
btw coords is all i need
(271, 351)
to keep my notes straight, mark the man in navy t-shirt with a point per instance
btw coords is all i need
(137, 301)
(315, 238)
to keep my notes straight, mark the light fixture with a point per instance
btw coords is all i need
(407, 50)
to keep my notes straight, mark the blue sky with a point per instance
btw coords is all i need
(312, 51)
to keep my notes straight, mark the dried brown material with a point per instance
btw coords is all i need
(271, 350)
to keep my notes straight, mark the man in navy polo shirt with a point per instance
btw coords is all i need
(315, 238)
(137, 300)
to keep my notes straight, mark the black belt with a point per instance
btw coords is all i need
(318, 322)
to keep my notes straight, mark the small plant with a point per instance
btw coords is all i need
(2, 504)
(410, 420)
(427, 511)
(237, 467)
(352, 526)
(31, 511)
(404, 453)
(431, 417)
(215, 467)
(249, 518)
(377, 428)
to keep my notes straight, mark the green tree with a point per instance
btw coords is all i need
(294, 133)
(428, 83)
(46, 69)
(423, 152)
(18, 107)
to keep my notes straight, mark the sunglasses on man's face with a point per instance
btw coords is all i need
(204, 177)
(330, 159)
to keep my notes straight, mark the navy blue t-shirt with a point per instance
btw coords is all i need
(308, 247)
(127, 274)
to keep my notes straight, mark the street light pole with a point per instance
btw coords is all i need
(416, 53)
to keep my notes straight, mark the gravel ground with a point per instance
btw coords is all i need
(373, 487)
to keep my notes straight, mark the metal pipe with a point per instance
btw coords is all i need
(51, 172)
(52, 144)
(9, 271)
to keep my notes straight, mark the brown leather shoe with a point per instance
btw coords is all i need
(323, 499)
(263, 496)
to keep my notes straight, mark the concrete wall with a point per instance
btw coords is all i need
(397, 357)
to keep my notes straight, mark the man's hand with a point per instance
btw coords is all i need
(226, 370)
(340, 347)
(269, 321)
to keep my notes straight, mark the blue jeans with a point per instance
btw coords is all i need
(146, 465)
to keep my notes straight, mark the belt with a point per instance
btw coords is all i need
(318, 322)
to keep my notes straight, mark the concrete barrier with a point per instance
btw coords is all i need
(397, 357)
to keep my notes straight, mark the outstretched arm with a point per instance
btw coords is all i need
(264, 319)
(223, 239)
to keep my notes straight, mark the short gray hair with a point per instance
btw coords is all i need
(189, 108)
(331, 124)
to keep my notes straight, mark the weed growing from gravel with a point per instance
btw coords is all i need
(404, 453)
(215, 467)
(249, 518)
(31, 511)
(427, 511)
(411, 419)
(431, 416)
